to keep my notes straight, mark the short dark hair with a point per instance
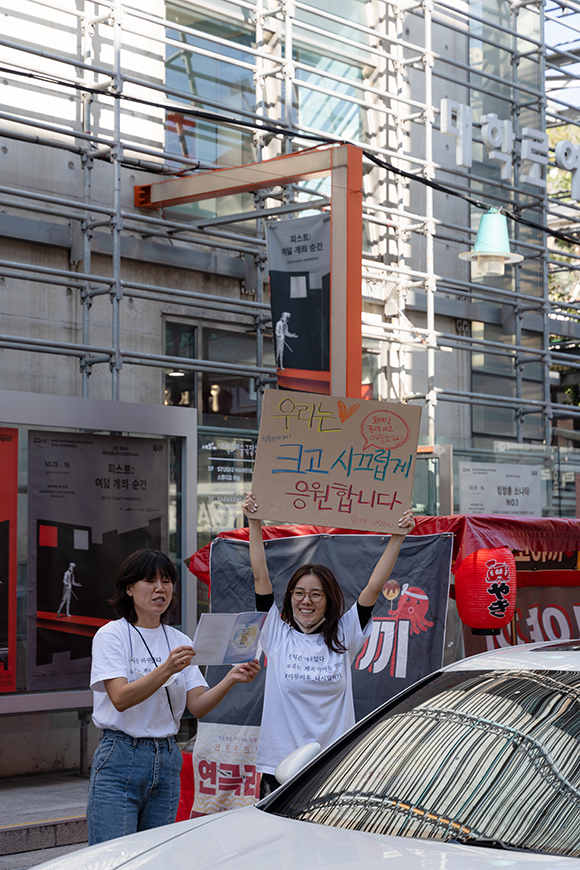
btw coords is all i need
(334, 603)
(140, 565)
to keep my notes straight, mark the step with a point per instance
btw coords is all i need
(42, 835)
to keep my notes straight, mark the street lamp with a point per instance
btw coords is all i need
(492, 245)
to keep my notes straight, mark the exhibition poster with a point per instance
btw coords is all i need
(8, 543)
(299, 254)
(92, 500)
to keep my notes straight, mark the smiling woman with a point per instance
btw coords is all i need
(143, 679)
(310, 647)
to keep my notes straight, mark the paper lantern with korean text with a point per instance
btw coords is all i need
(485, 590)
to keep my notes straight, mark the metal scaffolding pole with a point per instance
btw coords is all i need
(275, 63)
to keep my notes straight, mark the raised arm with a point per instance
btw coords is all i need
(257, 552)
(386, 563)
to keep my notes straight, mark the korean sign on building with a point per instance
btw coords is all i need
(498, 136)
(485, 488)
(299, 270)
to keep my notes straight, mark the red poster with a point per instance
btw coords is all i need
(8, 514)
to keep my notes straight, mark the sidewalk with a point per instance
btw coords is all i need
(40, 813)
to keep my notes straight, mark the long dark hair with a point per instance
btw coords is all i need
(140, 565)
(334, 604)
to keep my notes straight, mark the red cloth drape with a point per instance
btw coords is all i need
(471, 532)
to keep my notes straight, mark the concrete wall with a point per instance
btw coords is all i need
(42, 742)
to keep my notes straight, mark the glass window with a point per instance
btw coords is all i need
(226, 81)
(370, 374)
(319, 111)
(180, 385)
(439, 761)
(230, 399)
(225, 467)
(339, 59)
(216, 80)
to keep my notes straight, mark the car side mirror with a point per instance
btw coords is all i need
(294, 762)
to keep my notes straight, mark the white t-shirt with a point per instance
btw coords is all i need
(118, 651)
(308, 695)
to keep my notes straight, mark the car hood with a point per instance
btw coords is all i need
(250, 839)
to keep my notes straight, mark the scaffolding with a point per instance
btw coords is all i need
(380, 69)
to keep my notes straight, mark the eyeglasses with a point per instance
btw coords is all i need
(300, 594)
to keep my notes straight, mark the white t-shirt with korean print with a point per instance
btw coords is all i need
(308, 694)
(119, 651)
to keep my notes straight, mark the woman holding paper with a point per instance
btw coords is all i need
(310, 647)
(142, 679)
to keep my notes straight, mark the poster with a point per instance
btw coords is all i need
(299, 256)
(547, 604)
(409, 617)
(224, 767)
(8, 543)
(513, 490)
(92, 500)
(341, 463)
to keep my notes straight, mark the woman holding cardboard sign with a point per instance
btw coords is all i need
(310, 647)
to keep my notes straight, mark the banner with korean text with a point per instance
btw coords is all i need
(335, 462)
(299, 258)
(8, 561)
(92, 500)
(405, 645)
(547, 603)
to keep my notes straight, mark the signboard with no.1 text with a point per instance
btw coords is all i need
(345, 463)
(485, 488)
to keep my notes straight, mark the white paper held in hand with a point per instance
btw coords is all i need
(227, 638)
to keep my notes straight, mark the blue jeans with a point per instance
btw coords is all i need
(134, 785)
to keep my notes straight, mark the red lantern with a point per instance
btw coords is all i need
(485, 590)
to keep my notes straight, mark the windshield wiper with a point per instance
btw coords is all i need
(497, 844)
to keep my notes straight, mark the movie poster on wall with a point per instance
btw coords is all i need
(92, 500)
(8, 544)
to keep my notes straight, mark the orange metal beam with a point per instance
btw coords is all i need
(345, 166)
(286, 169)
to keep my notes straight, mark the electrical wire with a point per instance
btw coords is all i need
(281, 130)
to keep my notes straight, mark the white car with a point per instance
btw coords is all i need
(477, 767)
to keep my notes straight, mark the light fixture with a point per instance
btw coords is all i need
(176, 374)
(492, 245)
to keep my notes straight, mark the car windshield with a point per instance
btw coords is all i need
(469, 756)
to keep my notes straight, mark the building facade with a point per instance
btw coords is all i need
(102, 299)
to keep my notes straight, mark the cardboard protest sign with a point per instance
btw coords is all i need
(328, 461)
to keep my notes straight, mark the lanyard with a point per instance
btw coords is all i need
(152, 658)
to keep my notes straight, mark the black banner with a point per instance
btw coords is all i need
(299, 269)
(408, 619)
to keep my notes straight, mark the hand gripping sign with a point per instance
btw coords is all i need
(345, 463)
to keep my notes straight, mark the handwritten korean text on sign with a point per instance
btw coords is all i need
(345, 463)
